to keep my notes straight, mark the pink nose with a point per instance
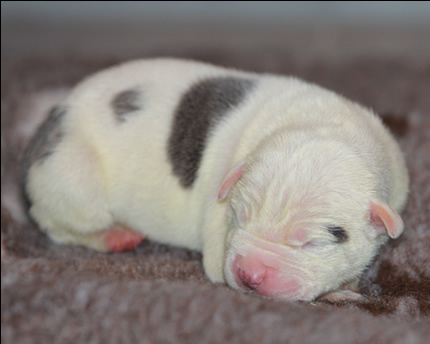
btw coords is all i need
(251, 280)
(250, 271)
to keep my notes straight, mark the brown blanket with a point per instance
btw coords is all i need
(159, 294)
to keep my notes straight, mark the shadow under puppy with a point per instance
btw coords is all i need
(288, 189)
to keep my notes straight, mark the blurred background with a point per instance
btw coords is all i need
(327, 28)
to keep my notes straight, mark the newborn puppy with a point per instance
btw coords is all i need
(288, 189)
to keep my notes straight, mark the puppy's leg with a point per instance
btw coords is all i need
(69, 197)
(214, 244)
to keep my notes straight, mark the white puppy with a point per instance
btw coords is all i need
(288, 189)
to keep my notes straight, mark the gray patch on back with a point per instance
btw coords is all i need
(125, 103)
(42, 145)
(198, 112)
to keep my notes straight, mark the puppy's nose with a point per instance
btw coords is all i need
(251, 280)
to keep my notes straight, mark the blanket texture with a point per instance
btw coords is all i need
(158, 294)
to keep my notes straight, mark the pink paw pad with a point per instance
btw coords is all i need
(121, 239)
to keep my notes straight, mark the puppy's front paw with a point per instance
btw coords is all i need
(342, 295)
(213, 268)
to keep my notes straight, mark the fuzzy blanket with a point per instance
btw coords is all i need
(159, 294)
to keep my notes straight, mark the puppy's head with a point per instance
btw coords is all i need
(305, 219)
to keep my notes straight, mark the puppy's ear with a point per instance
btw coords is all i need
(230, 179)
(385, 219)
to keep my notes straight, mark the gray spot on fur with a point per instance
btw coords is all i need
(339, 233)
(42, 145)
(198, 112)
(125, 103)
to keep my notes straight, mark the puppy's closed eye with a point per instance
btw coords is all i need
(338, 233)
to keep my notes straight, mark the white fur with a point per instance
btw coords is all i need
(312, 158)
